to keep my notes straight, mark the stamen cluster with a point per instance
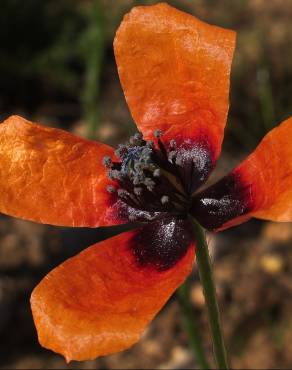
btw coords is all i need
(147, 175)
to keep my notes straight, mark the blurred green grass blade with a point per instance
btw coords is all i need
(189, 321)
(93, 47)
(266, 98)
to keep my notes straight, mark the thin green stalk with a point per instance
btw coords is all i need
(190, 325)
(206, 277)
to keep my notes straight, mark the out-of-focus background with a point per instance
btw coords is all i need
(57, 67)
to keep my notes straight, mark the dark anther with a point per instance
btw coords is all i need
(107, 161)
(110, 174)
(115, 175)
(138, 136)
(111, 189)
(121, 151)
(178, 160)
(149, 183)
(172, 144)
(138, 191)
(171, 155)
(122, 193)
(150, 144)
(164, 199)
(132, 217)
(138, 178)
(158, 133)
(157, 172)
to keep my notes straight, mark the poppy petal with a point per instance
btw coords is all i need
(50, 176)
(174, 70)
(261, 186)
(100, 301)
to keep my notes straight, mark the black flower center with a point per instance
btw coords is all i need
(150, 176)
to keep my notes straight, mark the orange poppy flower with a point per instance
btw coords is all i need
(174, 71)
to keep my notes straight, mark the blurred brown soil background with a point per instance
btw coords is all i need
(57, 67)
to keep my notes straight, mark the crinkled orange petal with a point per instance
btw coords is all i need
(261, 186)
(50, 176)
(268, 172)
(174, 70)
(100, 301)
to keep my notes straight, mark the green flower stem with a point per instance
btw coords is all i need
(190, 326)
(206, 277)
